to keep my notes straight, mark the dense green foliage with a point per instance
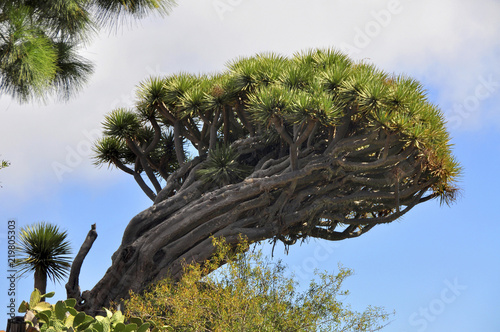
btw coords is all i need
(39, 41)
(43, 249)
(250, 294)
(62, 316)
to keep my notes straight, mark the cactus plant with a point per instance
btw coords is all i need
(62, 316)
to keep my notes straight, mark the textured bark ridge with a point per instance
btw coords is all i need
(336, 193)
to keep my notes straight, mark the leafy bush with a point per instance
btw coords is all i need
(250, 294)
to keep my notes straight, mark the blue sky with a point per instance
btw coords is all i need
(437, 268)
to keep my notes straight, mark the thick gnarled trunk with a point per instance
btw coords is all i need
(334, 194)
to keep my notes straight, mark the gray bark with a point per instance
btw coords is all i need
(41, 281)
(72, 286)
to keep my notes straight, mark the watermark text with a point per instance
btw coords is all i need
(11, 269)
(428, 314)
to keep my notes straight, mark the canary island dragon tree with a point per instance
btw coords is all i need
(281, 148)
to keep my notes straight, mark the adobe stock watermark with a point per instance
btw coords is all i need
(225, 6)
(372, 29)
(75, 155)
(11, 304)
(322, 252)
(425, 316)
(483, 90)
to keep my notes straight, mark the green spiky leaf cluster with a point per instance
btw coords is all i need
(40, 41)
(43, 247)
(222, 167)
(137, 143)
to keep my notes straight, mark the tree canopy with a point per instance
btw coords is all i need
(282, 148)
(39, 41)
(302, 104)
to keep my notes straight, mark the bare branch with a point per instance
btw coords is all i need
(73, 286)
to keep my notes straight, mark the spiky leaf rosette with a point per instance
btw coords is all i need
(222, 167)
(43, 247)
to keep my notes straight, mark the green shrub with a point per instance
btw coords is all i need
(250, 294)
